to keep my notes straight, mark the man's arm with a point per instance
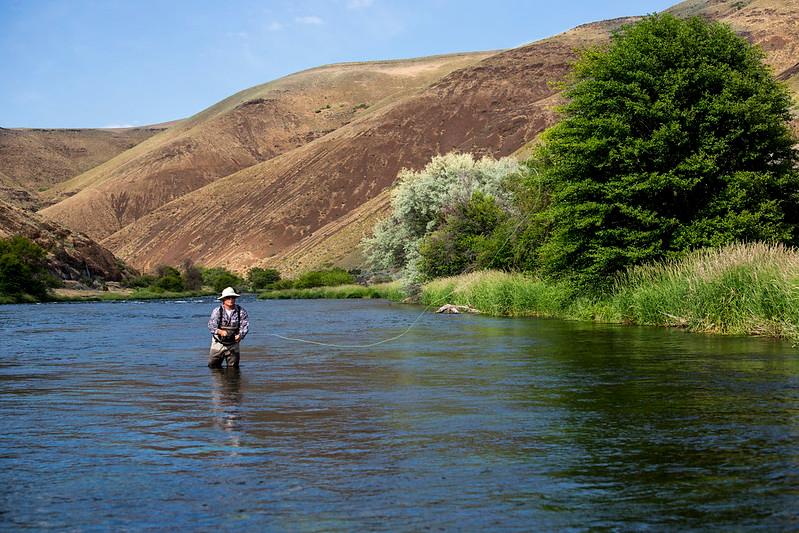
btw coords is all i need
(244, 324)
(214, 321)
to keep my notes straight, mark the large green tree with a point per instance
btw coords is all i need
(675, 136)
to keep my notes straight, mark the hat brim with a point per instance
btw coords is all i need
(228, 296)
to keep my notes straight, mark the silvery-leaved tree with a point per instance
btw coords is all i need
(419, 201)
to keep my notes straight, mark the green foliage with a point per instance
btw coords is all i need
(500, 294)
(170, 283)
(210, 275)
(167, 279)
(220, 277)
(390, 291)
(740, 289)
(22, 269)
(163, 271)
(419, 200)
(283, 284)
(675, 137)
(261, 278)
(466, 240)
(324, 278)
(140, 282)
(227, 279)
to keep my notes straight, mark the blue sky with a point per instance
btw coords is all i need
(112, 63)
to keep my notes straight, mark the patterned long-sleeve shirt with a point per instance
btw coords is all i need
(230, 320)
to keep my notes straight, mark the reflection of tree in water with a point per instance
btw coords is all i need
(226, 397)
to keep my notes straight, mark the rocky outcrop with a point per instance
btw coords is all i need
(71, 255)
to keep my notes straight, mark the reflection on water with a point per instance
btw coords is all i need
(226, 399)
(465, 423)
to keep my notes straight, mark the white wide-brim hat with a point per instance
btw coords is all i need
(227, 293)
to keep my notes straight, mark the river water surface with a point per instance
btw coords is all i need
(112, 421)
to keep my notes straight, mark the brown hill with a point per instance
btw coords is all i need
(36, 159)
(248, 128)
(300, 208)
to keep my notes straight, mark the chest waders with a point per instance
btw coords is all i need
(230, 338)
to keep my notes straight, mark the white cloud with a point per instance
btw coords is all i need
(275, 26)
(356, 4)
(309, 20)
(119, 126)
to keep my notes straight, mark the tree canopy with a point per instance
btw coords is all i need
(674, 137)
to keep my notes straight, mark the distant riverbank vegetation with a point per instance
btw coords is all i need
(667, 194)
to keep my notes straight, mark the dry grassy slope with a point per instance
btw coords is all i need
(246, 129)
(32, 159)
(72, 255)
(337, 242)
(492, 108)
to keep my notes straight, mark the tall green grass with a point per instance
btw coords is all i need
(741, 289)
(737, 289)
(499, 293)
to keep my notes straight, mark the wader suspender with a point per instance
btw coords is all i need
(221, 314)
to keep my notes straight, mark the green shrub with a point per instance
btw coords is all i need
(170, 283)
(466, 239)
(210, 274)
(227, 279)
(139, 282)
(324, 278)
(261, 278)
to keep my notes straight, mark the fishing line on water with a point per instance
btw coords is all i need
(431, 304)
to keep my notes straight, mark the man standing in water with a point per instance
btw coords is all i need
(229, 325)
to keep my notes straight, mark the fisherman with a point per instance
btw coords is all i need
(229, 325)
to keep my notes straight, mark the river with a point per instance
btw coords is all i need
(112, 422)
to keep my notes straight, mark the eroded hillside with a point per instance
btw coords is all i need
(492, 108)
(244, 130)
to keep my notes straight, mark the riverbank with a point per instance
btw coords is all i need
(114, 292)
(744, 289)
